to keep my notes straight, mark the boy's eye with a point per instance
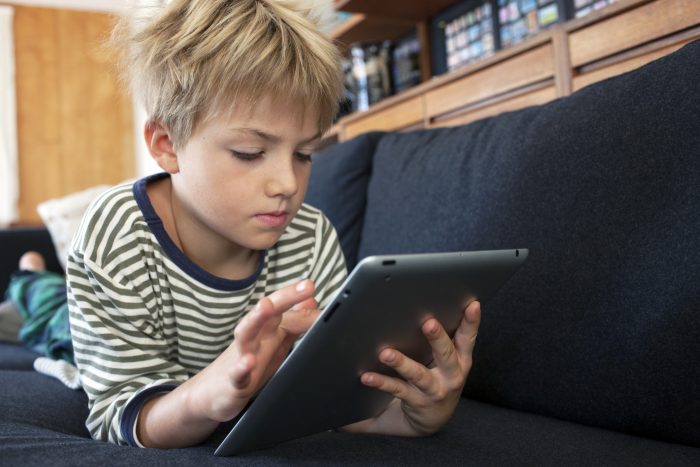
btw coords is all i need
(303, 157)
(245, 156)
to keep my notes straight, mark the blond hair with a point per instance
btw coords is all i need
(191, 59)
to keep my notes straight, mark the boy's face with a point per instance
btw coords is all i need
(243, 177)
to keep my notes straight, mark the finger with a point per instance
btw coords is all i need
(308, 303)
(287, 297)
(393, 386)
(298, 321)
(444, 352)
(413, 372)
(292, 296)
(465, 337)
(242, 371)
(249, 328)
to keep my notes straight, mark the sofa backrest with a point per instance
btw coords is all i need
(338, 186)
(602, 324)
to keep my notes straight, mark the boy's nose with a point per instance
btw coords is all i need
(282, 180)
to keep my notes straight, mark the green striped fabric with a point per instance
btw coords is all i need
(141, 318)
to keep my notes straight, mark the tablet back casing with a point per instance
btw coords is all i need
(383, 303)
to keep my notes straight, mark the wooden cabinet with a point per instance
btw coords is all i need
(406, 114)
(535, 95)
(624, 65)
(552, 64)
(74, 121)
(519, 71)
(631, 28)
(632, 34)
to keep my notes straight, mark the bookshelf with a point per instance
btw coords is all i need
(378, 21)
(552, 64)
(411, 10)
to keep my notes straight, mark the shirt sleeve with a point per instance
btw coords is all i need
(328, 270)
(120, 350)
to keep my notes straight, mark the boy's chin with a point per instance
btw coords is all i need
(264, 241)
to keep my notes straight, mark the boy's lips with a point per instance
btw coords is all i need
(273, 219)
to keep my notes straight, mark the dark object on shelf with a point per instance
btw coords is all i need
(369, 77)
(348, 103)
(405, 63)
(378, 62)
(462, 34)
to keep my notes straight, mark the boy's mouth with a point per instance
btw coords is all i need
(273, 219)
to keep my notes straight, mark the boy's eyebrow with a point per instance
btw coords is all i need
(273, 138)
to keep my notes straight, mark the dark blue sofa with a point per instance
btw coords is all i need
(590, 355)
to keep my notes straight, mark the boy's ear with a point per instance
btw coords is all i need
(161, 147)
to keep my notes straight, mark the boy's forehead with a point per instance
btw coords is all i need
(268, 109)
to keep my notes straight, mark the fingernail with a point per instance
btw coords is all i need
(301, 286)
(390, 356)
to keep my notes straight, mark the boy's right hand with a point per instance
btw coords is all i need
(262, 340)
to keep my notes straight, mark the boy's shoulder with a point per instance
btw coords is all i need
(110, 215)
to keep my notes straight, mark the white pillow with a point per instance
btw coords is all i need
(62, 217)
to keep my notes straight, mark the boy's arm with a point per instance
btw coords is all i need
(426, 398)
(128, 372)
(120, 352)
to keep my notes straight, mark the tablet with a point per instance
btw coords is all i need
(383, 303)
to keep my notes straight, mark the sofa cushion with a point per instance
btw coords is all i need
(10, 322)
(42, 420)
(16, 357)
(338, 187)
(601, 325)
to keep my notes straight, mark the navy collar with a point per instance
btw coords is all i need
(155, 223)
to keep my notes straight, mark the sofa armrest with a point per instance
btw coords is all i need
(16, 241)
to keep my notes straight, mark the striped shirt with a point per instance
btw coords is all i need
(144, 318)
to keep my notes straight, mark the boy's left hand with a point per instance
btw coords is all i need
(425, 397)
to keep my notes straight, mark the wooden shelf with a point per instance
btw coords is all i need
(412, 10)
(380, 20)
(364, 28)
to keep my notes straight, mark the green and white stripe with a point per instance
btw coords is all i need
(139, 320)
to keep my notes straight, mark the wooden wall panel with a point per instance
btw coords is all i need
(74, 123)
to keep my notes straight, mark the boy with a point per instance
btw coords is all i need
(187, 289)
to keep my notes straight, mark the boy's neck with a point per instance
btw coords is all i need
(215, 255)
